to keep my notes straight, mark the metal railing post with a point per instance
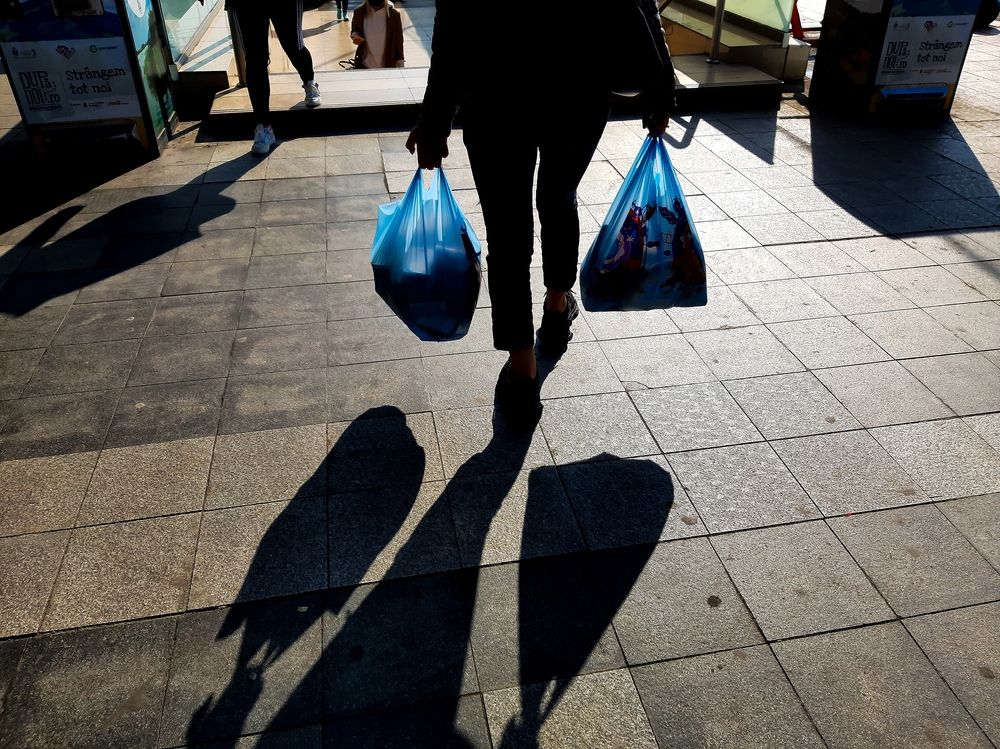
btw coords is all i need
(238, 50)
(720, 12)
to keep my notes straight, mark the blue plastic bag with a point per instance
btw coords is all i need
(647, 254)
(426, 260)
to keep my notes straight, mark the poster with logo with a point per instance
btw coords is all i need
(72, 80)
(926, 42)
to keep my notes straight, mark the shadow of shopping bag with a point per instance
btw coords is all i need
(426, 260)
(647, 254)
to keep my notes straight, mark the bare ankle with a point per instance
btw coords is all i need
(555, 300)
(523, 364)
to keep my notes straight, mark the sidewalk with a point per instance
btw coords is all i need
(239, 499)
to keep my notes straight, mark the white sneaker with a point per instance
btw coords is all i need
(313, 99)
(263, 140)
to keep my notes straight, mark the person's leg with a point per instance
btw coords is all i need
(253, 23)
(286, 15)
(564, 155)
(503, 166)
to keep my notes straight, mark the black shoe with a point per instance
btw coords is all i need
(518, 400)
(555, 332)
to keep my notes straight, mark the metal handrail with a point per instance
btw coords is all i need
(720, 12)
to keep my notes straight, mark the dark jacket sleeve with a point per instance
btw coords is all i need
(658, 96)
(444, 79)
(398, 53)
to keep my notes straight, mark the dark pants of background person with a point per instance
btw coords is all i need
(503, 148)
(342, 6)
(253, 18)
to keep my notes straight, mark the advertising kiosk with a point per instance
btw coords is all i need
(892, 56)
(88, 69)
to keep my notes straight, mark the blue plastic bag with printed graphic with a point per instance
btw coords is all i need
(426, 260)
(647, 254)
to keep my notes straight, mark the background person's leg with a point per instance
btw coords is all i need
(287, 20)
(253, 22)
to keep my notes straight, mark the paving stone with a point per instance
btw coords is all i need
(30, 329)
(43, 494)
(239, 192)
(292, 212)
(827, 342)
(226, 244)
(105, 321)
(744, 486)
(353, 207)
(883, 253)
(56, 424)
(798, 579)
(952, 247)
(382, 448)
(967, 383)
(88, 366)
(383, 629)
(734, 699)
(724, 235)
(917, 559)
(195, 356)
(278, 349)
(748, 203)
(611, 325)
(387, 533)
(777, 228)
(655, 361)
(422, 727)
(946, 458)
(124, 571)
(625, 502)
(690, 417)
(94, 687)
(815, 259)
(295, 168)
(962, 645)
(293, 305)
(779, 301)
(724, 310)
(747, 265)
(463, 380)
(369, 340)
(909, 333)
(903, 703)
(10, 657)
(220, 688)
(901, 218)
(202, 276)
(595, 427)
(301, 269)
(108, 285)
(847, 472)
(976, 324)
(653, 588)
(556, 629)
(16, 368)
(480, 337)
(28, 567)
(350, 235)
(264, 466)
(505, 517)
(858, 293)
(927, 287)
(351, 301)
(353, 389)
(983, 277)
(474, 443)
(349, 265)
(882, 394)
(743, 352)
(260, 551)
(356, 184)
(160, 413)
(274, 401)
(131, 483)
(353, 164)
(289, 240)
(595, 710)
(197, 313)
(582, 370)
(976, 518)
(792, 405)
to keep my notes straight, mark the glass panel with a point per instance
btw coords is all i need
(183, 18)
(775, 14)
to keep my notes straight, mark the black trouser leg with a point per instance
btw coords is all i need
(503, 166)
(287, 19)
(564, 155)
(253, 22)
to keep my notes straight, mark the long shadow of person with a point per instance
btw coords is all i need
(58, 262)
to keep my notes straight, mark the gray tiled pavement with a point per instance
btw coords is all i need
(238, 498)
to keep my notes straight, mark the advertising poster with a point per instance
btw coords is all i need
(151, 53)
(72, 80)
(68, 62)
(925, 42)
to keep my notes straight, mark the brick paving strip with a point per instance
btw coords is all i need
(238, 498)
